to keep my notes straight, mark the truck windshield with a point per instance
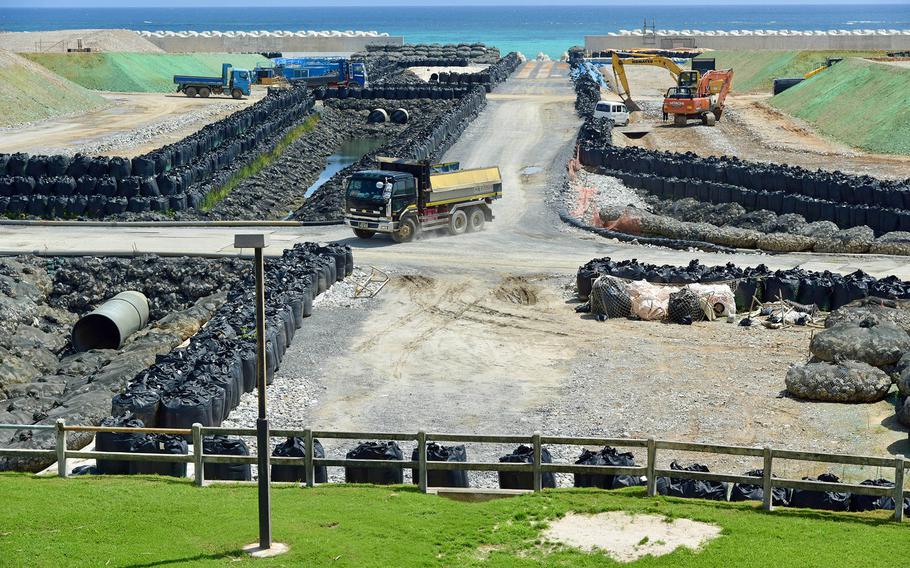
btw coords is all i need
(366, 188)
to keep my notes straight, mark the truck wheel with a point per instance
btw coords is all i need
(708, 119)
(204, 93)
(190, 91)
(406, 232)
(364, 233)
(458, 222)
(679, 120)
(476, 220)
(237, 94)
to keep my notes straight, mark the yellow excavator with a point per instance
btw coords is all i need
(682, 77)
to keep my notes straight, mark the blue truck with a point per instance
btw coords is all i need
(233, 82)
(315, 71)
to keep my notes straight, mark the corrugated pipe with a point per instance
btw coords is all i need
(115, 320)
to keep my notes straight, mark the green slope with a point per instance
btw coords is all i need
(138, 72)
(30, 92)
(756, 70)
(861, 103)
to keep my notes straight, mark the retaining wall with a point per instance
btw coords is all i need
(767, 42)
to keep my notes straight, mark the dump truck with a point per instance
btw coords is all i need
(235, 82)
(402, 198)
(314, 72)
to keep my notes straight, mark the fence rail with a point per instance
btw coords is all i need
(536, 468)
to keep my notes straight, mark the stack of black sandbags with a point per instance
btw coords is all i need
(606, 457)
(295, 448)
(691, 488)
(222, 445)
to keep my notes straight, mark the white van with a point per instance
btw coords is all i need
(614, 110)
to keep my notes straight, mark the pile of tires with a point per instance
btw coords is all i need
(826, 290)
(203, 381)
(174, 177)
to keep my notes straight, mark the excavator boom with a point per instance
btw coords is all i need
(619, 72)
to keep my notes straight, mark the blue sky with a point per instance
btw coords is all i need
(311, 3)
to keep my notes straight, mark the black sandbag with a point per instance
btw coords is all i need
(86, 185)
(140, 401)
(851, 287)
(781, 286)
(78, 167)
(824, 500)
(389, 475)
(248, 366)
(584, 279)
(23, 185)
(37, 205)
(16, 164)
(138, 205)
(222, 445)
(295, 448)
(521, 480)
(106, 186)
(443, 478)
(116, 442)
(64, 185)
(691, 488)
(57, 165)
(185, 407)
(746, 289)
(148, 187)
(143, 166)
(128, 187)
(159, 444)
(606, 457)
(746, 492)
(118, 168)
(872, 503)
(36, 167)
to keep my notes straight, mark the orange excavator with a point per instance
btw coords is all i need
(703, 101)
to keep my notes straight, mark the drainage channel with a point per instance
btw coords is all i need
(347, 154)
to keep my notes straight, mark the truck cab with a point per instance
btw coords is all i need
(375, 200)
(240, 79)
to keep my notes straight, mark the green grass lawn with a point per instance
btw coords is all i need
(111, 521)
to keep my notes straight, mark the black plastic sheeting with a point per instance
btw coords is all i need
(691, 488)
(606, 457)
(860, 503)
(390, 475)
(172, 178)
(747, 492)
(824, 500)
(439, 478)
(295, 448)
(521, 480)
(827, 290)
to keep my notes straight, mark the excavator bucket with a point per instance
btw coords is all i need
(633, 133)
(631, 105)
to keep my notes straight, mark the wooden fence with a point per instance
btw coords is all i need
(536, 441)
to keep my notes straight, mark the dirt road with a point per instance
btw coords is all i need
(477, 333)
(133, 124)
(750, 129)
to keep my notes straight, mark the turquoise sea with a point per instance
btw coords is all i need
(532, 29)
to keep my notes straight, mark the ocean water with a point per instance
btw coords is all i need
(532, 29)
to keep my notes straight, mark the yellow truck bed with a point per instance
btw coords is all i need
(461, 185)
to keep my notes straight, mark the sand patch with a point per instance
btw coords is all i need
(627, 537)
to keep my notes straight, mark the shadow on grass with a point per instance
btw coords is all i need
(232, 554)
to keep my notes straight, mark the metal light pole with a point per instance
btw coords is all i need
(265, 547)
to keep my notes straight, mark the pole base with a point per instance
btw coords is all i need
(255, 551)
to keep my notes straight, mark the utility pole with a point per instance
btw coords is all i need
(265, 548)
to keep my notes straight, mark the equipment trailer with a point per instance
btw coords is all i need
(404, 197)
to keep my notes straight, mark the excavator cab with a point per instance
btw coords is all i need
(688, 79)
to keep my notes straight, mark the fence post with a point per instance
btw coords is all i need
(308, 458)
(767, 501)
(538, 482)
(199, 469)
(651, 466)
(61, 448)
(422, 461)
(899, 488)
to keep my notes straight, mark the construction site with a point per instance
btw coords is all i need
(703, 246)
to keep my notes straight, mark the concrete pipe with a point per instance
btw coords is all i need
(108, 326)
